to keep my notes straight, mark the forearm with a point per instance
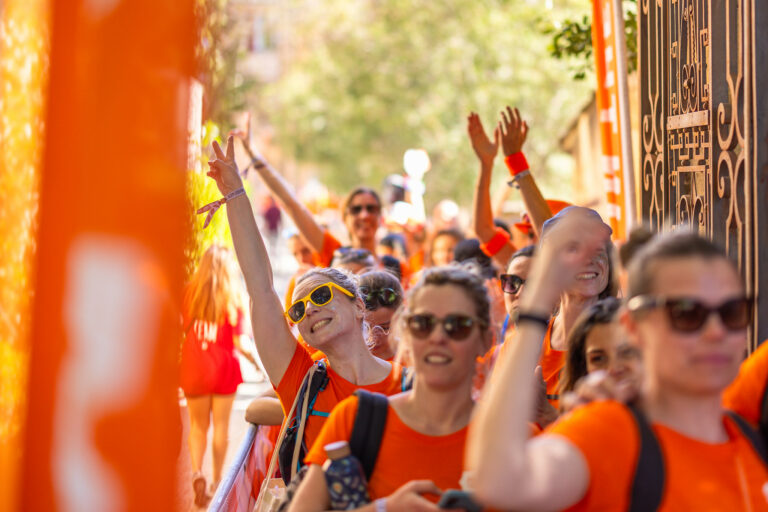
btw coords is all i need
(249, 246)
(305, 222)
(265, 411)
(274, 342)
(534, 201)
(482, 219)
(500, 429)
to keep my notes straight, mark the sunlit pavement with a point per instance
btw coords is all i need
(254, 384)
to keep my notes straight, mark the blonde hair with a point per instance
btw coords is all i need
(215, 291)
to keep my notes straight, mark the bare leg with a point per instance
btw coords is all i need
(222, 407)
(199, 408)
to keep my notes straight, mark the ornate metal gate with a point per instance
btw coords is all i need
(704, 110)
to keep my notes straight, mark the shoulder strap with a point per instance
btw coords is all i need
(406, 380)
(751, 434)
(368, 430)
(648, 483)
(315, 381)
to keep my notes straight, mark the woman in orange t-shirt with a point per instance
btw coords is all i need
(445, 326)
(588, 459)
(327, 308)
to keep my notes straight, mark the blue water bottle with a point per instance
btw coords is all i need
(344, 475)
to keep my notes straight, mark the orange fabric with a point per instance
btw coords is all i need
(416, 261)
(405, 454)
(337, 390)
(552, 362)
(325, 256)
(745, 394)
(699, 476)
(316, 355)
(102, 402)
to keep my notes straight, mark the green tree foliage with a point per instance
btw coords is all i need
(572, 40)
(372, 78)
(202, 190)
(216, 54)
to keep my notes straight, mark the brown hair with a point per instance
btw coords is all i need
(377, 279)
(679, 244)
(602, 312)
(356, 192)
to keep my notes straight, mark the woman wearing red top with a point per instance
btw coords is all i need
(210, 372)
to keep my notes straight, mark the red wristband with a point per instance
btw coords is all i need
(496, 243)
(516, 163)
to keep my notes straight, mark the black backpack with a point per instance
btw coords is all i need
(649, 479)
(318, 383)
(364, 443)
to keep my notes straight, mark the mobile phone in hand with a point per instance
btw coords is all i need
(455, 499)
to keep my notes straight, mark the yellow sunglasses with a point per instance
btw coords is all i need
(320, 296)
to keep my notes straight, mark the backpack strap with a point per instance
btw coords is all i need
(648, 482)
(754, 437)
(368, 430)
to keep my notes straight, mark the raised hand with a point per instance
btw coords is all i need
(513, 131)
(224, 168)
(484, 148)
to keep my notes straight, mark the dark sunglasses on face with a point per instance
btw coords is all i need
(690, 315)
(370, 208)
(374, 298)
(511, 283)
(456, 326)
(320, 296)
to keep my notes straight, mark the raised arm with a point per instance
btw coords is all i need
(309, 229)
(274, 340)
(509, 470)
(482, 217)
(513, 134)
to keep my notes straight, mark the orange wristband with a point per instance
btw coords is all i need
(516, 163)
(496, 243)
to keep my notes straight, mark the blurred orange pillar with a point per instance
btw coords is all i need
(103, 429)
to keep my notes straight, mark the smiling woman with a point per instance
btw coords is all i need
(445, 327)
(327, 310)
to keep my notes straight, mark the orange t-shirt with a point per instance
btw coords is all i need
(404, 455)
(338, 389)
(745, 394)
(699, 476)
(325, 256)
(552, 363)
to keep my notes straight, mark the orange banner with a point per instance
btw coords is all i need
(103, 428)
(607, 40)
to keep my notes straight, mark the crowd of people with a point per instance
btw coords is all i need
(556, 374)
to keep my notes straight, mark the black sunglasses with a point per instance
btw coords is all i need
(690, 315)
(370, 208)
(456, 326)
(374, 298)
(511, 283)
